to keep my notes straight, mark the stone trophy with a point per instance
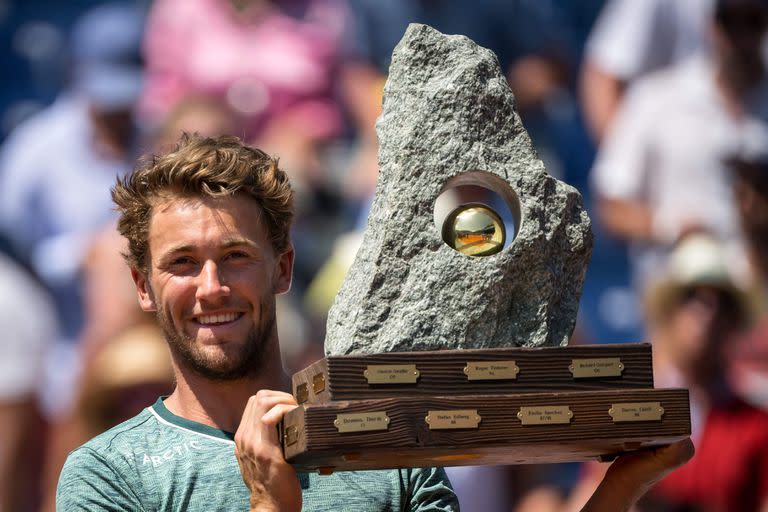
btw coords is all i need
(447, 343)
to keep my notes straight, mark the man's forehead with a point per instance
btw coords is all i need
(166, 200)
(237, 219)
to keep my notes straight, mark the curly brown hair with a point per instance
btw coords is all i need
(198, 166)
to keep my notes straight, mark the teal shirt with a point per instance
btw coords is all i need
(158, 461)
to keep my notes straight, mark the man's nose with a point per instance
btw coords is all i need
(211, 286)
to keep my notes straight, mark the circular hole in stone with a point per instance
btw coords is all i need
(477, 213)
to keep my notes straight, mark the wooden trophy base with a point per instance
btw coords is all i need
(589, 411)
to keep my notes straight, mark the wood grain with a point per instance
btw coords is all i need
(442, 372)
(499, 439)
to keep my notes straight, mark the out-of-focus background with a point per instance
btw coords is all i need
(656, 110)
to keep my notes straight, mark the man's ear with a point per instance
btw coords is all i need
(281, 282)
(144, 290)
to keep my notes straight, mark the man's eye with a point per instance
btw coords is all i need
(234, 255)
(183, 260)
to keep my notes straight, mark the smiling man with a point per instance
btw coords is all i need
(208, 235)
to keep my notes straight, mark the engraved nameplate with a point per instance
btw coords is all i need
(491, 370)
(636, 411)
(391, 373)
(318, 383)
(459, 418)
(291, 435)
(361, 422)
(545, 415)
(604, 367)
(302, 393)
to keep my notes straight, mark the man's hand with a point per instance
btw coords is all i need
(632, 475)
(271, 480)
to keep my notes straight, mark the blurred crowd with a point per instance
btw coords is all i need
(656, 110)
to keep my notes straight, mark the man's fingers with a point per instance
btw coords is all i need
(263, 412)
(276, 413)
(675, 454)
(630, 476)
(270, 421)
(645, 468)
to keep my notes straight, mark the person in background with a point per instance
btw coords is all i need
(694, 317)
(28, 324)
(660, 172)
(631, 39)
(695, 311)
(749, 360)
(56, 169)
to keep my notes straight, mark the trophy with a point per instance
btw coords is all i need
(447, 343)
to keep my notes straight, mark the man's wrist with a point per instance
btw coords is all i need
(259, 504)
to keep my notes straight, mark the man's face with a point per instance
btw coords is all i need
(213, 279)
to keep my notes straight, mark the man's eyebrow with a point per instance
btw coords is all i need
(177, 249)
(227, 244)
(236, 242)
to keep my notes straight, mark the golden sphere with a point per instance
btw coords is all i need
(474, 229)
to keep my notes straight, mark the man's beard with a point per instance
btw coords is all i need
(248, 362)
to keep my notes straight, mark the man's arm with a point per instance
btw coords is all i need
(272, 481)
(631, 476)
(600, 93)
(88, 483)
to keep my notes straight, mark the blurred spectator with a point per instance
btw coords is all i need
(694, 315)
(122, 354)
(660, 171)
(196, 114)
(57, 167)
(631, 39)
(694, 311)
(271, 61)
(125, 375)
(749, 362)
(28, 324)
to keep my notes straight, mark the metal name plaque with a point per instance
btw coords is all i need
(318, 383)
(491, 370)
(291, 435)
(361, 422)
(603, 367)
(302, 393)
(545, 415)
(391, 373)
(636, 411)
(459, 418)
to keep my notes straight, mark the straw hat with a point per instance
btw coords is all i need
(136, 356)
(697, 260)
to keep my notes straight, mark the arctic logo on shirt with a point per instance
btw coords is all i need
(178, 450)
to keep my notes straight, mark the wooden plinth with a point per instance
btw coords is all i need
(442, 373)
(312, 441)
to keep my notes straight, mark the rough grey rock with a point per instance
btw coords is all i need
(448, 111)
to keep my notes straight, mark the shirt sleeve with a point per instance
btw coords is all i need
(431, 491)
(88, 483)
(628, 38)
(621, 167)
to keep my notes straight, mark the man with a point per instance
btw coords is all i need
(208, 246)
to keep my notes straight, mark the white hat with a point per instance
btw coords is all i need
(697, 260)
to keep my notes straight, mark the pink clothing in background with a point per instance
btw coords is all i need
(272, 61)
